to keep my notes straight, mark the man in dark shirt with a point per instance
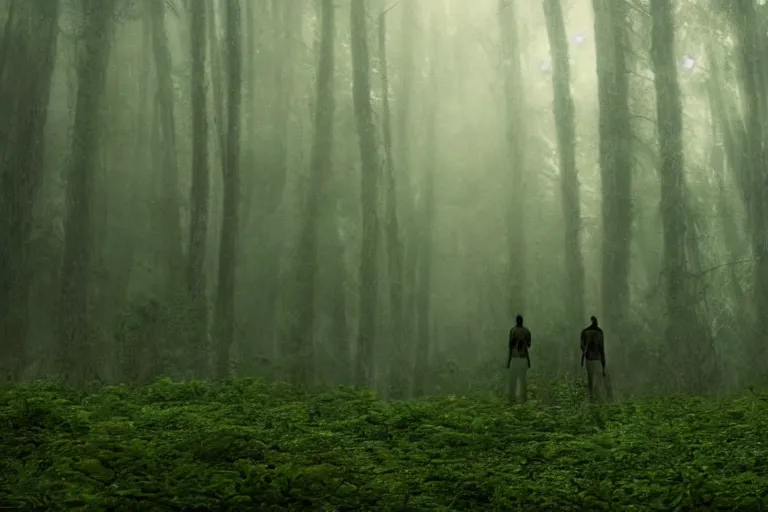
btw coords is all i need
(593, 350)
(518, 360)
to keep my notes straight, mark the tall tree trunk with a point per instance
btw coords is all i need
(423, 297)
(744, 154)
(170, 172)
(340, 328)
(270, 175)
(29, 51)
(569, 177)
(615, 163)
(399, 373)
(513, 97)
(732, 236)
(731, 130)
(752, 56)
(5, 35)
(680, 315)
(301, 356)
(225, 297)
(128, 347)
(361, 92)
(409, 27)
(265, 189)
(284, 83)
(216, 81)
(77, 363)
(334, 263)
(249, 82)
(199, 193)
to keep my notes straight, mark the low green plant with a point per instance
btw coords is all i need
(252, 445)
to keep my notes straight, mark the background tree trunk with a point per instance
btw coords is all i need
(27, 55)
(672, 172)
(751, 43)
(169, 211)
(615, 172)
(403, 158)
(569, 177)
(303, 329)
(399, 368)
(200, 191)
(516, 200)
(74, 333)
(426, 229)
(361, 91)
(225, 326)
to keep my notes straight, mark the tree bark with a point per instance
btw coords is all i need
(271, 190)
(752, 63)
(399, 374)
(74, 335)
(170, 172)
(680, 316)
(225, 297)
(28, 53)
(423, 297)
(403, 157)
(216, 81)
(513, 97)
(200, 191)
(569, 178)
(301, 356)
(361, 90)
(615, 159)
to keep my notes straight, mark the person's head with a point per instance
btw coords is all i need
(519, 320)
(593, 321)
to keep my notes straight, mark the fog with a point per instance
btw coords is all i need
(226, 188)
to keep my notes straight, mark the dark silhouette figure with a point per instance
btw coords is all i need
(593, 351)
(518, 360)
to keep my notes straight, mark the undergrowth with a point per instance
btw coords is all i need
(250, 445)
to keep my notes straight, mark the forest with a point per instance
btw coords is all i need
(265, 254)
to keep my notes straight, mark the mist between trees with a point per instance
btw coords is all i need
(367, 192)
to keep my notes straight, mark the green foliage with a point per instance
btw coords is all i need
(248, 445)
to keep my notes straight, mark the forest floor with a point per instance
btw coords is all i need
(249, 445)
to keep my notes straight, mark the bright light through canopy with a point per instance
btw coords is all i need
(689, 62)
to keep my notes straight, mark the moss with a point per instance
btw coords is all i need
(249, 445)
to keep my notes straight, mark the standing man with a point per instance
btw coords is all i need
(593, 350)
(518, 361)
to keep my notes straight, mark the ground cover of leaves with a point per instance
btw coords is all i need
(250, 445)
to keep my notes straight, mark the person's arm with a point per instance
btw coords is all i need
(601, 346)
(583, 346)
(528, 345)
(509, 357)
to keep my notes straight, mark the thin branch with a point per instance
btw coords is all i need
(385, 11)
(727, 264)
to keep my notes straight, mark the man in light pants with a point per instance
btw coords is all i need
(518, 361)
(593, 350)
